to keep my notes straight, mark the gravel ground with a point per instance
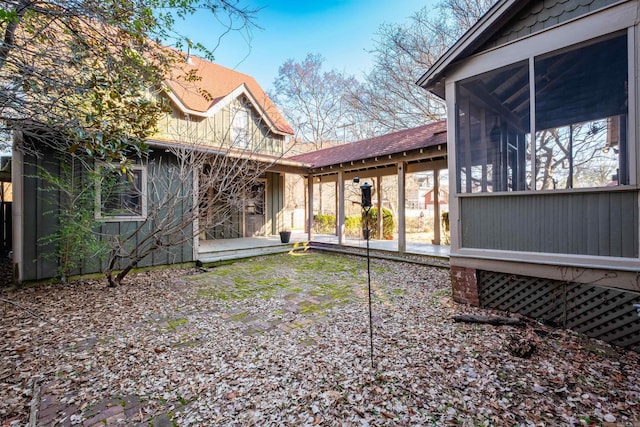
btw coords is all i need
(267, 342)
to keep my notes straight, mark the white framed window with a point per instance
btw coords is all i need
(121, 195)
(240, 128)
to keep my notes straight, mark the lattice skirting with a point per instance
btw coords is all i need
(598, 312)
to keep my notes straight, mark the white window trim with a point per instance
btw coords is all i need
(240, 134)
(108, 218)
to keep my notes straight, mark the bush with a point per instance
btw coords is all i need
(353, 226)
(324, 224)
(445, 221)
(387, 223)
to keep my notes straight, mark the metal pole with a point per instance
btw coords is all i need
(369, 287)
(367, 205)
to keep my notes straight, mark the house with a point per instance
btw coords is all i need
(543, 139)
(223, 108)
(214, 111)
(428, 198)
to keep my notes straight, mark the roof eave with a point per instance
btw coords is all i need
(242, 89)
(226, 152)
(433, 80)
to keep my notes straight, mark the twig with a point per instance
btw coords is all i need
(470, 318)
(23, 308)
(34, 407)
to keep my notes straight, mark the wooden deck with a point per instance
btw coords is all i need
(226, 249)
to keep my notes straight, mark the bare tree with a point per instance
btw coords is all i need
(314, 101)
(389, 96)
(577, 155)
(196, 184)
(74, 74)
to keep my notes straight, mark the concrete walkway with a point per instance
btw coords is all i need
(213, 250)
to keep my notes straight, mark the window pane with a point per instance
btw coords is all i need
(121, 194)
(240, 129)
(492, 130)
(581, 110)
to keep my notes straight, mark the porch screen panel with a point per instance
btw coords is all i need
(492, 130)
(581, 116)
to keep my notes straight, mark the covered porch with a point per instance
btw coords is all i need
(210, 251)
(410, 185)
(408, 172)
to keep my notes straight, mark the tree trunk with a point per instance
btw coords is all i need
(111, 281)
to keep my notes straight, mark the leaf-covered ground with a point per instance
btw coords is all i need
(284, 340)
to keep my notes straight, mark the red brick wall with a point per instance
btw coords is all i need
(465, 285)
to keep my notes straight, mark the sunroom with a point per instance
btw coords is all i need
(541, 101)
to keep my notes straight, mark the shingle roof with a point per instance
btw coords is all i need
(200, 85)
(425, 136)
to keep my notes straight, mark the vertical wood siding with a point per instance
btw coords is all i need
(275, 204)
(215, 130)
(598, 223)
(39, 222)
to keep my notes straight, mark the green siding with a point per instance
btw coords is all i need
(585, 223)
(38, 223)
(215, 131)
(275, 188)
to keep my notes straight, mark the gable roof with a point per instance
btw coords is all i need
(200, 87)
(425, 136)
(486, 27)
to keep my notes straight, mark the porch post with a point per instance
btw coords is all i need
(379, 207)
(436, 207)
(17, 209)
(340, 219)
(196, 219)
(402, 238)
(310, 207)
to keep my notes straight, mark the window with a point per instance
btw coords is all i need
(121, 196)
(580, 122)
(240, 129)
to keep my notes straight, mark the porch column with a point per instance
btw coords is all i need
(436, 207)
(196, 217)
(402, 238)
(340, 218)
(379, 206)
(17, 209)
(310, 207)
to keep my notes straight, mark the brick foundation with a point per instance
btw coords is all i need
(465, 285)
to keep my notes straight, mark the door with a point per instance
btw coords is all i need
(255, 210)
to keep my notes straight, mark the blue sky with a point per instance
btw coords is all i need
(340, 30)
